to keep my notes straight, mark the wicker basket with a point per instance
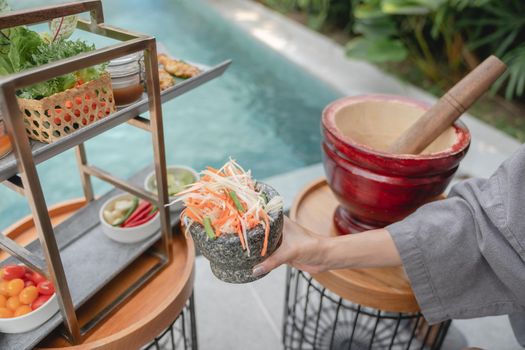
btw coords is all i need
(50, 118)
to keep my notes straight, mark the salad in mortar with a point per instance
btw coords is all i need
(227, 201)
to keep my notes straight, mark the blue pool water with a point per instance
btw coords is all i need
(264, 111)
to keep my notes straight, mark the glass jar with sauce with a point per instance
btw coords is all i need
(5, 143)
(126, 79)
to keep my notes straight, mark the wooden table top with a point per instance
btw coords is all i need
(385, 289)
(146, 313)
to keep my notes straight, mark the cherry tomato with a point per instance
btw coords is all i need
(46, 288)
(28, 295)
(3, 288)
(22, 310)
(28, 283)
(35, 277)
(14, 287)
(41, 300)
(13, 271)
(3, 299)
(13, 303)
(5, 313)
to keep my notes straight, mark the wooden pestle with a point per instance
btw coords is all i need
(449, 108)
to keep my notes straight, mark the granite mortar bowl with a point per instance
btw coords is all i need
(374, 187)
(228, 261)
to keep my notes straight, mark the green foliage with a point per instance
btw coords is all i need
(443, 39)
(514, 77)
(62, 28)
(18, 46)
(25, 49)
(378, 50)
(22, 48)
(47, 53)
(320, 12)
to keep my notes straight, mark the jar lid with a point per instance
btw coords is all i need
(125, 65)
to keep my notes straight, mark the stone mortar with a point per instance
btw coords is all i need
(228, 261)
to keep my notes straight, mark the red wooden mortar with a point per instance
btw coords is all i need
(376, 188)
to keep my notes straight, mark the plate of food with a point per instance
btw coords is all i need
(171, 68)
(235, 221)
(127, 219)
(27, 299)
(179, 178)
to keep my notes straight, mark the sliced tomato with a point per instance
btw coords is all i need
(46, 288)
(13, 271)
(28, 283)
(35, 277)
(41, 300)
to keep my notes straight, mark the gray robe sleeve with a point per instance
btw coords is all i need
(465, 256)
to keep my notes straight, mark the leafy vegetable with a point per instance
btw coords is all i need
(22, 48)
(55, 51)
(62, 28)
(19, 44)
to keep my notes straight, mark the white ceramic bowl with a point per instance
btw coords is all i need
(129, 234)
(32, 320)
(148, 182)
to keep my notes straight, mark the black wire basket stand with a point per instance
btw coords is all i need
(316, 318)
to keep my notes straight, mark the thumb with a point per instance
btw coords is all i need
(275, 260)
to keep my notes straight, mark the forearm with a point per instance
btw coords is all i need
(367, 249)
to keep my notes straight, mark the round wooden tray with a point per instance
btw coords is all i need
(385, 289)
(146, 313)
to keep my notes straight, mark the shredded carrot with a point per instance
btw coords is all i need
(266, 232)
(228, 199)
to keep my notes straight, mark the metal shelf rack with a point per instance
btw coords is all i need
(18, 171)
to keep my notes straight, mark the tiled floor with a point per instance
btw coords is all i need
(250, 316)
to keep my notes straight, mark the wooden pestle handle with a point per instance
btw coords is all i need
(449, 108)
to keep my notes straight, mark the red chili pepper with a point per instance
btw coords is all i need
(143, 220)
(144, 207)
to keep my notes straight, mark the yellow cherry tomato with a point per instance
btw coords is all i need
(3, 288)
(14, 287)
(12, 303)
(5, 313)
(3, 299)
(28, 295)
(22, 310)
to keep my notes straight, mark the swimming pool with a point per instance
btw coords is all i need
(264, 111)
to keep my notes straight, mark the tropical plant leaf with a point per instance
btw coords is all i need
(369, 9)
(403, 7)
(514, 77)
(463, 4)
(376, 49)
(376, 27)
(62, 28)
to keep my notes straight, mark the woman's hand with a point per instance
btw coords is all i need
(313, 253)
(300, 248)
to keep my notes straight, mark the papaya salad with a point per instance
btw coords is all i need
(227, 201)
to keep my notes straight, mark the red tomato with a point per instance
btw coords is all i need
(41, 300)
(13, 271)
(35, 277)
(46, 288)
(28, 283)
